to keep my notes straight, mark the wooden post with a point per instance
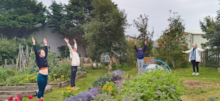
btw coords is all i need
(5, 63)
(218, 69)
(13, 63)
(17, 64)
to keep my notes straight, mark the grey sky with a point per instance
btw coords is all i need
(191, 11)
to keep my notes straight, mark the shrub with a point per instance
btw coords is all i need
(64, 51)
(105, 78)
(61, 72)
(5, 73)
(158, 85)
(21, 79)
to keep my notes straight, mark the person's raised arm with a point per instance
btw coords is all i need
(201, 50)
(75, 44)
(68, 45)
(188, 51)
(145, 45)
(135, 46)
(46, 50)
(35, 48)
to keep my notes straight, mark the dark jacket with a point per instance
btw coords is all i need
(140, 53)
(41, 62)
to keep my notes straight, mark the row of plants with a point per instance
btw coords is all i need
(214, 98)
(158, 85)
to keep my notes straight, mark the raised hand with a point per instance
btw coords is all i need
(66, 40)
(74, 40)
(145, 42)
(33, 40)
(45, 41)
(135, 43)
(183, 51)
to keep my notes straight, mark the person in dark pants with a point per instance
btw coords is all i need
(75, 62)
(41, 60)
(140, 56)
(195, 57)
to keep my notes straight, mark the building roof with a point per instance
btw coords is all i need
(194, 32)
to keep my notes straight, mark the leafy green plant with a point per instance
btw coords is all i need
(5, 73)
(61, 72)
(70, 92)
(158, 85)
(109, 88)
(64, 51)
(21, 79)
(101, 81)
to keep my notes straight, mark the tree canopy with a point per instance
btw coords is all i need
(20, 18)
(69, 20)
(105, 32)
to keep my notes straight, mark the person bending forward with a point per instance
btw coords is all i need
(74, 63)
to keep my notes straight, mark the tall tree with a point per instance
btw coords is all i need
(172, 42)
(141, 24)
(211, 27)
(105, 33)
(20, 18)
(69, 20)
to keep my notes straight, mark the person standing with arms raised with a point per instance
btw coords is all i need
(41, 60)
(140, 56)
(74, 63)
(195, 57)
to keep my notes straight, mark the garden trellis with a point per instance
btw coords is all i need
(23, 58)
(156, 60)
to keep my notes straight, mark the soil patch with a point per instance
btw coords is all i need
(200, 84)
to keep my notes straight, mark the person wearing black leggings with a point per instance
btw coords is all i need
(195, 57)
(41, 60)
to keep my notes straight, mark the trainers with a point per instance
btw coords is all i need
(193, 73)
(39, 99)
(197, 73)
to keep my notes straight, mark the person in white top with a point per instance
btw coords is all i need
(195, 57)
(75, 61)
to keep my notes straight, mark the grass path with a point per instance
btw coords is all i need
(207, 74)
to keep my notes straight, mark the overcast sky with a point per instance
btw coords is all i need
(191, 11)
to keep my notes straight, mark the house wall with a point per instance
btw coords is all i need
(195, 38)
(198, 39)
(54, 40)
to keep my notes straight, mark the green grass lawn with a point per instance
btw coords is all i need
(206, 74)
(82, 83)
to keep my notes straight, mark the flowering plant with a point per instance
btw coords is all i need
(109, 88)
(18, 98)
(70, 92)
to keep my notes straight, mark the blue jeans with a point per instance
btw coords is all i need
(140, 64)
(42, 83)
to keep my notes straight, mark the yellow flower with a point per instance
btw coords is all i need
(68, 87)
(156, 95)
(127, 89)
(69, 91)
(72, 89)
(62, 91)
(110, 92)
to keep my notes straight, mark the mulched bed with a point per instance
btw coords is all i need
(200, 84)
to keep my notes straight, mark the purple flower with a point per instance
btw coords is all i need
(159, 92)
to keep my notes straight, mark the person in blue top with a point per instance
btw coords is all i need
(140, 56)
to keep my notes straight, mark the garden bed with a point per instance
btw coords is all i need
(60, 84)
(7, 91)
(199, 84)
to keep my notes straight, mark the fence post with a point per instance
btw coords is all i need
(5, 63)
(13, 63)
(204, 54)
(17, 64)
